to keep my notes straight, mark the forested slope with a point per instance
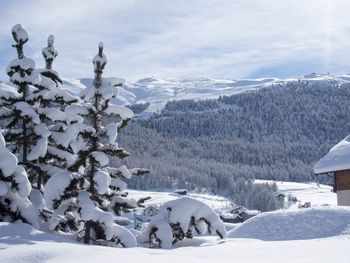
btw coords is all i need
(273, 133)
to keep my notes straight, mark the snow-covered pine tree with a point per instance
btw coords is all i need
(51, 100)
(91, 197)
(25, 133)
(28, 109)
(19, 116)
(14, 189)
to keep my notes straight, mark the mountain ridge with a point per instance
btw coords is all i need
(158, 92)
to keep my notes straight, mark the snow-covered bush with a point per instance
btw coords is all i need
(14, 189)
(179, 219)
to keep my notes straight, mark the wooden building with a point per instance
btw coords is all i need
(336, 164)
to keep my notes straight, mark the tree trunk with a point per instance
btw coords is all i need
(93, 168)
(87, 232)
(24, 129)
(40, 178)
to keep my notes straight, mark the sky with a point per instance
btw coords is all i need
(184, 38)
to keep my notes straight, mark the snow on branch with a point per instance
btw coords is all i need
(19, 34)
(49, 53)
(100, 157)
(123, 112)
(71, 133)
(14, 189)
(102, 180)
(25, 110)
(55, 114)
(100, 60)
(114, 234)
(39, 150)
(121, 172)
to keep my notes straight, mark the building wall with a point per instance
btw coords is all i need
(343, 197)
(342, 187)
(342, 180)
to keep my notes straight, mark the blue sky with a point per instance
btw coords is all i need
(183, 38)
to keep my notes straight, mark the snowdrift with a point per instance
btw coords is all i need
(21, 243)
(21, 233)
(295, 224)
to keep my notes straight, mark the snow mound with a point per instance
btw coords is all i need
(179, 219)
(295, 224)
(21, 233)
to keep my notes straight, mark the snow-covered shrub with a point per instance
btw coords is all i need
(179, 219)
(14, 189)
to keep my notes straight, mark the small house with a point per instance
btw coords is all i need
(336, 164)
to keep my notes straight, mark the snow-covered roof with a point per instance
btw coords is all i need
(337, 159)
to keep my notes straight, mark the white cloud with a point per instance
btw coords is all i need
(185, 38)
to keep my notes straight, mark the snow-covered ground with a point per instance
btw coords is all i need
(296, 224)
(158, 198)
(328, 250)
(306, 192)
(317, 234)
(21, 243)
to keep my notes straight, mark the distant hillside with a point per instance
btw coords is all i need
(272, 133)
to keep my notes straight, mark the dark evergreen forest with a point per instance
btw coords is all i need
(274, 133)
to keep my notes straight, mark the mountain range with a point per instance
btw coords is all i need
(158, 92)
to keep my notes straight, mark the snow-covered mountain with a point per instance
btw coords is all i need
(158, 91)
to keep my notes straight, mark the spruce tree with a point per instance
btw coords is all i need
(31, 108)
(17, 111)
(90, 198)
(52, 101)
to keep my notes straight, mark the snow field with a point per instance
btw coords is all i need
(318, 195)
(21, 243)
(295, 224)
(318, 234)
